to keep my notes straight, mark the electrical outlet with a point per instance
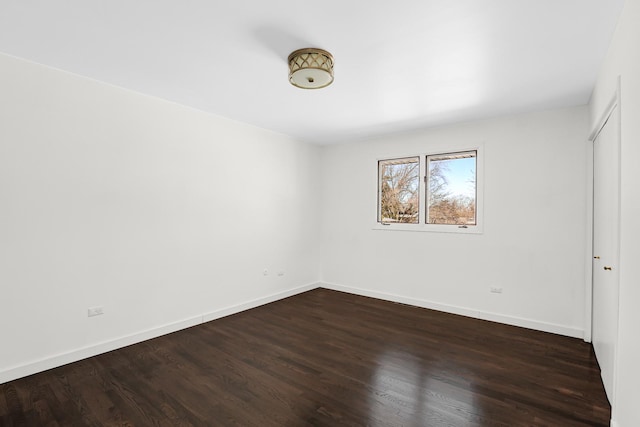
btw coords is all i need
(94, 311)
(495, 290)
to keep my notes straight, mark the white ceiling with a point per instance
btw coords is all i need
(399, 65)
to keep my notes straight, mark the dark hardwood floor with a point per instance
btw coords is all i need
(324, 358)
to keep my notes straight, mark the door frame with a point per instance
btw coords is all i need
(614, 103)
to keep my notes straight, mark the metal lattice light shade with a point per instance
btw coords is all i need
(310, 68)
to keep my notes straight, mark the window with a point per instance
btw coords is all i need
(451, 188)
(399, 183)
(431, 192)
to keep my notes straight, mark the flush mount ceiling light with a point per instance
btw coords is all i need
(310, 68)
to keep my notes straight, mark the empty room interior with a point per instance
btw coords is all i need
(285, 213)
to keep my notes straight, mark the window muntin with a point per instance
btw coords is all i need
(451, 188)
(398, 191)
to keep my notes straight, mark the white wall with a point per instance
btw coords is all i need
(159, 213)
(623, 59)
(534, 233)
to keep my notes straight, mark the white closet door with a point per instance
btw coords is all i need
(606, 188)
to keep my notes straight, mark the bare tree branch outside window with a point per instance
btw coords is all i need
(451, 202)
(399, 182)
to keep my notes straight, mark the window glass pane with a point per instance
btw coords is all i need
(451, 189)
(398, 185)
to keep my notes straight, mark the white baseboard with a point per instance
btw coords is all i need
(484, 315)
(103, 347)
(256, 302)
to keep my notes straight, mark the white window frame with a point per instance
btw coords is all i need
(422, 226)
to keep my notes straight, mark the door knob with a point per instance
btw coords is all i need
(607, 268)
(596, 257)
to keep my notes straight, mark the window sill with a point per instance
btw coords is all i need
(433, 228)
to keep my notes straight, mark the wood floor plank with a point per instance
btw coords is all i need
(324, 358)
